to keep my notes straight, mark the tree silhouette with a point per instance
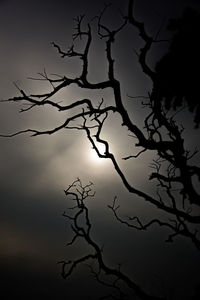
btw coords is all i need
(173, 81)
(177, 80)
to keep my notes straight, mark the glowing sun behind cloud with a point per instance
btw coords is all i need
(93, 156)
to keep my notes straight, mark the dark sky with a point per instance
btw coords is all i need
(35, 171)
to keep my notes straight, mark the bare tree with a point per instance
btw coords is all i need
(177, 197)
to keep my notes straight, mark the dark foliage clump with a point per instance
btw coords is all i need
(177, 73)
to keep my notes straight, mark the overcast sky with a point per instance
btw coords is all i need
(35, 171)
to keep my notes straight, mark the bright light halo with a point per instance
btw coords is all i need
(94, 156)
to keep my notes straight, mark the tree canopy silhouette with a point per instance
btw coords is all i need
(173, 81)
(177, 80)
